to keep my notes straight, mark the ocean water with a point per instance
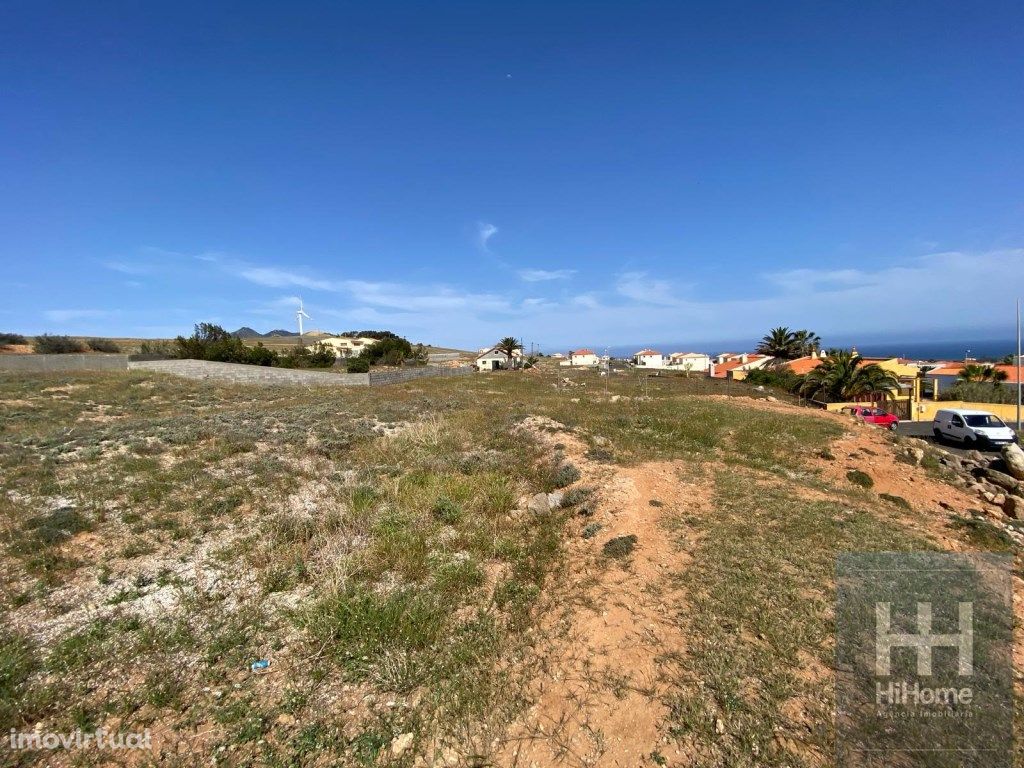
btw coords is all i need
(980, 349)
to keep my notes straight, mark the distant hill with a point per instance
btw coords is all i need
(245, 332)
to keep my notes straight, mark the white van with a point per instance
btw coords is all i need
(972, 428)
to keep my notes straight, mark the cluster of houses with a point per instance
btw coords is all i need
(920, 381)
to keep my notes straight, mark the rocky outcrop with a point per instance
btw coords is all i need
(1013, 457)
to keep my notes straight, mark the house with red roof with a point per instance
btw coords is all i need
(729, 365)
(945, 375)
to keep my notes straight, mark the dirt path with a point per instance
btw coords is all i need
(599, 699)
(611, 639)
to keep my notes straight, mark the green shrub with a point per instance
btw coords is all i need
(980, 392)
(447, 511)
(899, 501)
(260, 355)
(103, 345)
(296, 357)
(358, 365)
(780, 378)
(322, 356)
(620, 546)
(567, 474)
(862, 479)
(57, 345)
(576, 496)
(157, 347)
(211, 342)
(391, 350)
(11, 338)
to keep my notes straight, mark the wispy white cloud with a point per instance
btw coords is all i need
(637, 306)
(273, 277)
(542, 275)
(484, 232)
(130, 267)
(585, 300)
(414, 298)
(639, 286)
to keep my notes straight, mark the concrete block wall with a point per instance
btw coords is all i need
(381, 378)
(58, 363)
(238, 373)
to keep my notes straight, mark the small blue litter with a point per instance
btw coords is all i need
(256, 666)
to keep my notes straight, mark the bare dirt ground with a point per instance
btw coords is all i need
(600, 699)
(609, 645)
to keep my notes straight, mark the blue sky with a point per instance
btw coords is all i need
(569, 173)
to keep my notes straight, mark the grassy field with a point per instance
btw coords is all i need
(374, 546)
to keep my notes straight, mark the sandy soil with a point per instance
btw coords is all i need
(606, 642)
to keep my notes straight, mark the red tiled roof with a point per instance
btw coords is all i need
(723, 368)
(802, 365)
(953, 369)
(946, 370)
(582, 352)
(647, 353)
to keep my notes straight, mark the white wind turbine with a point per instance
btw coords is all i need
(299, 314)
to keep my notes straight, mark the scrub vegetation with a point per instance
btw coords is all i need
(380, 550)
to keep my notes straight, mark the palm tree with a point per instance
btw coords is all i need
(779, 342)
(975, 372)
(972, 372)
(806, 342)
(509, 346)
(841, 377)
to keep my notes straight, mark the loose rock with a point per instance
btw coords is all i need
(1013, 455)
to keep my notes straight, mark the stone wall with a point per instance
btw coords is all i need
(58, 363)
(238, 373)
(379, 378)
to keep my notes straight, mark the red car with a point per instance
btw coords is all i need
(875, 416)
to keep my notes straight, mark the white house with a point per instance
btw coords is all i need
(649, 358)
(582, 358)
(345, 346)
(493, 359)
(689, 361)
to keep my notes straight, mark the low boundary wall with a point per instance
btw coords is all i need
(57, 363)
(379, 378)
(238, 373)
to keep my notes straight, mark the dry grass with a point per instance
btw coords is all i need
(159, 535)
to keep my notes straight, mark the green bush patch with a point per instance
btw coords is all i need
(620, 546)
(899, 501)
(567, 474)
(863, 479)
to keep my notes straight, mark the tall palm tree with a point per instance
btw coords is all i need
(779, 342)
(509, 346)
(841, 377)
(806, 342)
